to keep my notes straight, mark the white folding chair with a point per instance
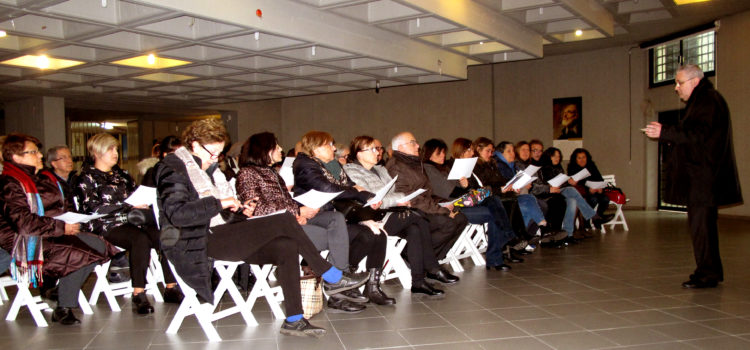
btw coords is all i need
(395, 266)
(205, 312)
(480, 239)
(274, 296)
(154, 275)
(5, 281)
(35, 304)
(465, 248)
(619, 218)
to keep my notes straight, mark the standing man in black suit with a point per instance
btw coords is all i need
(701, 168)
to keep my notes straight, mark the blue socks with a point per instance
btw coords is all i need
(294, 318)
(333, 275)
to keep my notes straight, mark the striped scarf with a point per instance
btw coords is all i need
(28, 259)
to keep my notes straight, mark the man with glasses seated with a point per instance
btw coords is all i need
(446, 224)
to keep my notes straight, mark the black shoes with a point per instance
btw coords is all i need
(501, 267)
(512, 257)
(373, 291)
(353, 295)
(141, 304)
(422, 287)
(345, 283)
(698, 284)
(599, 220)
(65, 316)
(301, 328)
(442, 276)
(337, 304)
(173, 295)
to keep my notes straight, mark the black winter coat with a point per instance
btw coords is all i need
(181, 207)
(309, 174)
(103, 193)
(701, 167)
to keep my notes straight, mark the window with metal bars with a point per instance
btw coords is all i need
(698, 49)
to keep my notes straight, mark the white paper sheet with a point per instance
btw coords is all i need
(411, 196)
(479, 182)
(143, 195)
(446, 204)
(558, 180)
(584, 173)
(462, 168)
(382, 192)
(75, 218)
(520, 180)
(316, 199)
(596, 184)
(286, 171)
(531, 170)
(271, 214)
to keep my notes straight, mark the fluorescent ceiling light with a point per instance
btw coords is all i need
(685, 2)
(3, 34)
(165, 77)
(42, 62)
(151, 61)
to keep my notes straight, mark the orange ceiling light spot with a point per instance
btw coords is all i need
(165, 77)
(685, 2)
(41, 62)
(151, 61)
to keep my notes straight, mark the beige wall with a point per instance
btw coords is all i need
(513, 101)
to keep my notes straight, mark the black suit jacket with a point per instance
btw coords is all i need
(701, 167)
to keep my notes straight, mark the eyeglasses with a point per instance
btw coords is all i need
(213, 156)
(536, 151)
(412, 142)
(32, 152)
(62, 158)
(371, 149)
(680, 83)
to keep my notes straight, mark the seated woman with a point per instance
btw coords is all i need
(192, 195)
(581, 159)
(552, 167)
(258, 181)
(103, 188)
(496, 174)
(166, 146)
(31, 199)
(491, 210)
(310, 173)
(362, 168)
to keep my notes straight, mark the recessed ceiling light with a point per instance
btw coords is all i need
(3, 34)
(41, 62)
(685, 2)
(579, 32)
(165, 77)
(151, 61)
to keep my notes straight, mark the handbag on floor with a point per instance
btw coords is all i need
(312, 294)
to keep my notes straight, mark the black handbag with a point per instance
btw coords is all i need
(230, 217)
(355, 212)
(141, 217)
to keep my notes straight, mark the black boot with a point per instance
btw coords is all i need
(373, 291)
(141, 304)
(65, 316)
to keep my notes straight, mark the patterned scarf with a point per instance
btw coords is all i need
(28, 259)
(219, 188)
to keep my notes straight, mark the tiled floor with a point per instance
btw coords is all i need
(620, 290)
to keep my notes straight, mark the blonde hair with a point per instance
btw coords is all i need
(204, 131)
(314, 139)
(100, 144)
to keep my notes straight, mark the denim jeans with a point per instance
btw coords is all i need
(530, 209)
(495, 239)
(4, 260)
(574, 201)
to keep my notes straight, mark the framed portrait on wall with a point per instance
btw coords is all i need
(567, 120)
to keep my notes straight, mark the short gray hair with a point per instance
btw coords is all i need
(692, 70)
(398, 140)
(52, 153)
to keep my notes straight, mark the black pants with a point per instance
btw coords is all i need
(416, 230)
(274, 240)
(139, 242)
(363, 243)
(705, 236)
(445, 231)
(598, 198)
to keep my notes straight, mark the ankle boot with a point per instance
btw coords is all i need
(373, 291)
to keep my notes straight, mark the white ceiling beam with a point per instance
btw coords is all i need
(302, 22)
(594, 13)
(486, 21)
